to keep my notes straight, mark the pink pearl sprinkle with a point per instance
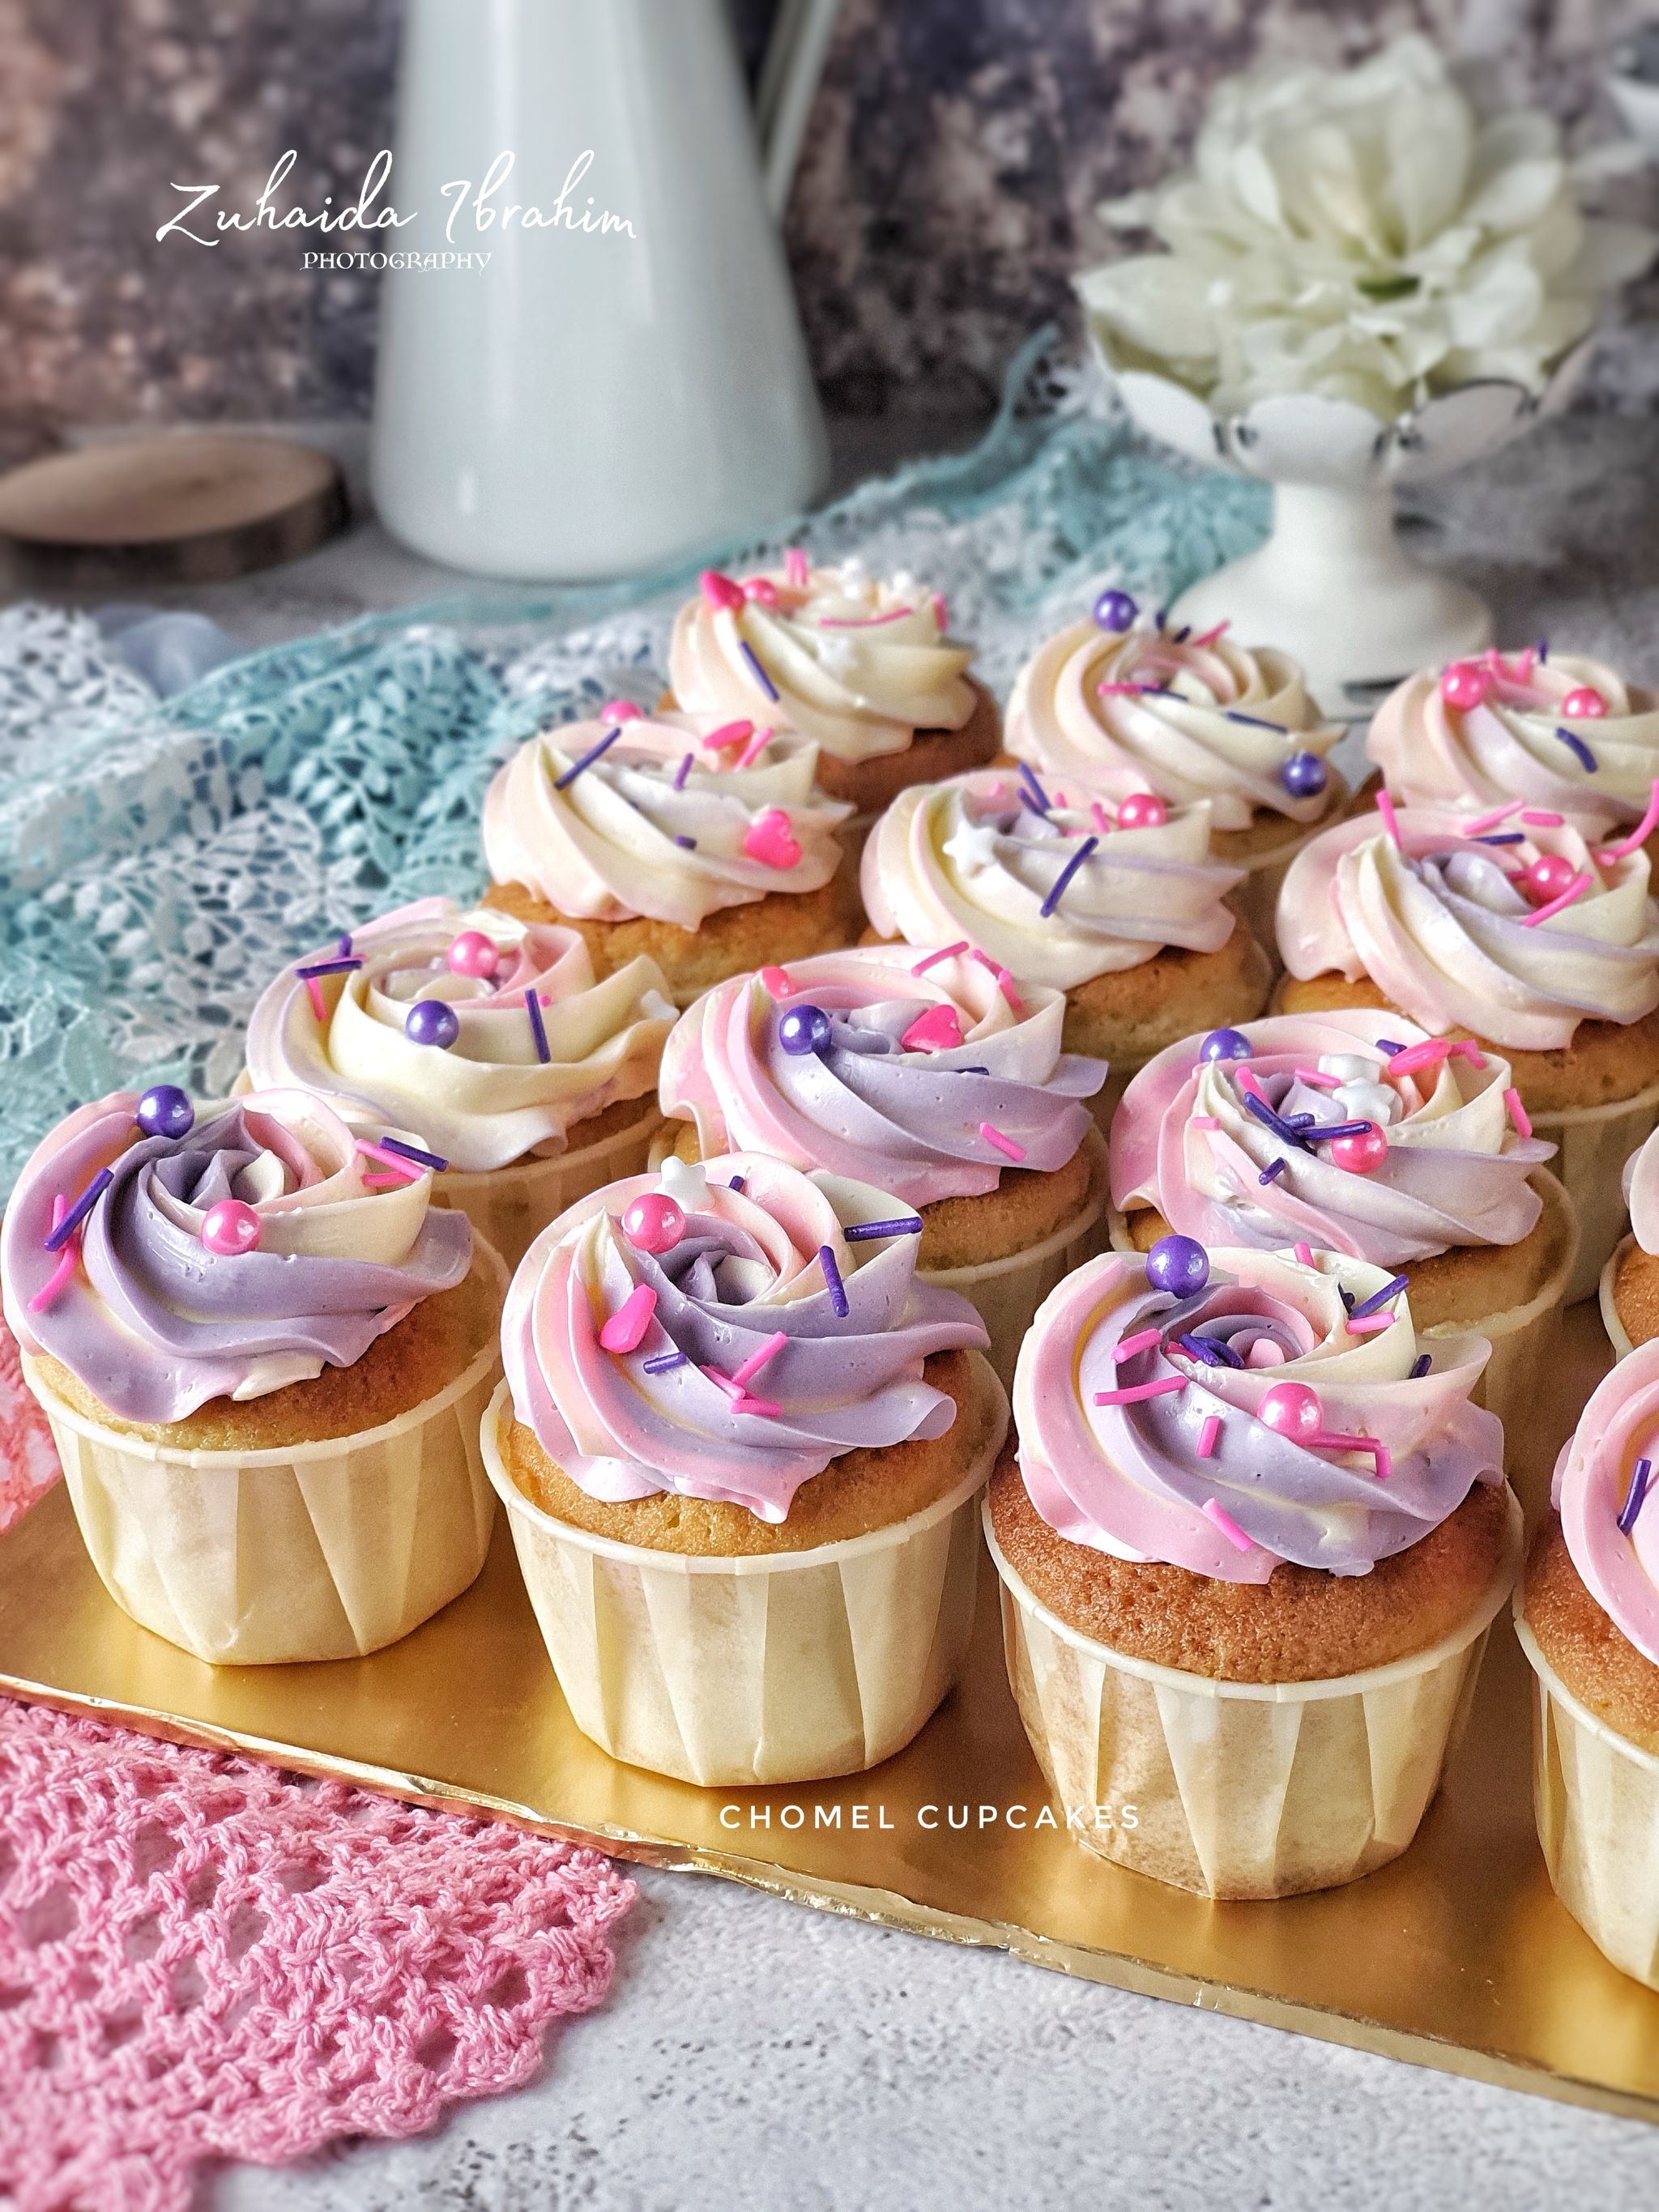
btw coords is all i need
(472, 954)
(777, 981)
(231, 1228)
(626, 1328)
(761, 590)
(621, 710)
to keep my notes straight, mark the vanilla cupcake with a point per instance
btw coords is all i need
(1355, 1133)
(1543, 951)
(863, 666)
(1121, 705)
(928, 1085)
(264, 1356)
(706, 847)
(1560, 734)
(741, 1449)
(531, 1082)
(1630, 1281)
(1249, 1553)
(1127, 915)
(1587, 1619)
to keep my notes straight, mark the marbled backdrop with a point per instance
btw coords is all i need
(956, 156)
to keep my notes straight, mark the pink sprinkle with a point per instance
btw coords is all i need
(1317, 1079)
(408, 1170)
(1640, 835)
(1059, 799)
(1249, 1081)
(1518, 1113)
(1229, 1527)
(865, 621)
(1370, 1324)
(1333, 1440)
(946, 952)
(628, 1325)
(1390, 820)
(729, 733)
(1005, 981)
(756, 1360)
(936, 1029)
(1540, 820)
(744, 1403)
(1211, 636)
(1580, 883)
(66, 1259)
(1426, 1055)
(1101, 819)
(1142, 1341)
(621, 710)
(795, 572)
(1205, 1121)
(1119, 690)
(1466, 1049)
(1305, 1254)
(757, 745)
(1136, 1391)
(941, 611)
(1207, 1435)
(777, 981)
(999, 789)
(315, 991)
(1005, 1145)
(1484, 822)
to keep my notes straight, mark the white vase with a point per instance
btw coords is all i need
(586, 402)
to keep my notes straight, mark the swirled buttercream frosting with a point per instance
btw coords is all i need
(1055, 893)
(1229, 1151)
(909, 1073)
(856, 663)
(1151, 1424)
(1455, 928)
(1641, 1187)
(1561, 732)
(155, 1314)
(731, 1361)
(1601, 1490)
(503, 1084)
(1190, 719)
(609, 822)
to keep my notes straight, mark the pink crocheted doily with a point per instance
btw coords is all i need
(203, 1958)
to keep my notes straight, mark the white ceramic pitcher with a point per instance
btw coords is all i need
(591, 398)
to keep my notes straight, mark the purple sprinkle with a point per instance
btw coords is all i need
(1543, 648)
(1199, 1347)
(683, 771)
(1037, 792)
(344, 948)
(909, 1226)
(1387, 1045)
(1264, 1112)
(1421, 1365)
(1581, 751)
(832, 1277)
(663, 1361)
(1638, 1490)
(1334, 1129)
(413, 1152)
(967, 1070)
(329, 966)
(1160, 618)
(587, 758)
(1504, 837)
(1298, 1120)
(1346, 1296)
(1255, 722)
(690, 843)
(1183, 633)
(1065, 876)
(537, 1027)
(57, 1239)
(1378, 1299)
(757, 670)
(737, 1183)
(1276, 1169)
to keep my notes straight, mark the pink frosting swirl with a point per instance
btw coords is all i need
(1187, 1141)
(910, 1120)
(1593, 1490)
(746, 1268)
(1148, 1477)
(1439, 924)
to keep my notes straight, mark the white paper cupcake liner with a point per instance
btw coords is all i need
(510, 1206)
(1594, 1143)
(320, 1551)
(1241, 1790)
(1007, 1292)
(1618, 1335)
(1596, 1798)
(787, 1667)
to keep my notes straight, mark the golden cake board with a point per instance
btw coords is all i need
(1456, 1956)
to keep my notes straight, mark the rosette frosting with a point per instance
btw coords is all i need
(1518, 739)
(1189, 1140)
(154, 1320)
(913, 1070)
(858, 665)
(1198, 719)
(976, 857)
(1602, 1481)
(1641, 1186)
(1164, 1453)
(504, 1087)
(659, 822)
(1442, 924)
(745, 1270)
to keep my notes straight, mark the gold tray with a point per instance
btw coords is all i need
(1456, 1956)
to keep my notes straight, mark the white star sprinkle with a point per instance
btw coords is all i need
(972, 845)
(686, 1181)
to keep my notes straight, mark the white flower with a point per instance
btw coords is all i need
(1362, 234)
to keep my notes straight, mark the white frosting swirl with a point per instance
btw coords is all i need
(973, 858)
(859, 664)
(633, 835)
(1641, 1187)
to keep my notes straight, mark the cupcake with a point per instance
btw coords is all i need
(1543, 951)
(706, 850)
(1587, 1619)
(741, 1449)
(1248, 1558)
(530, 1083)
(1630, 1281)
(264, 1356)
(928, 1085)
(1426, 1176)
(1127, 915)
(862, 666)
(1563, 735)
(1119, 706)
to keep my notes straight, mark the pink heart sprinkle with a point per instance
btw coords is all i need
(721, 591)
(938, 1029)
(626, 1328)
(771, 840)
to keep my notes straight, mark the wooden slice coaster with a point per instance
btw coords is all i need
(199, 507)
